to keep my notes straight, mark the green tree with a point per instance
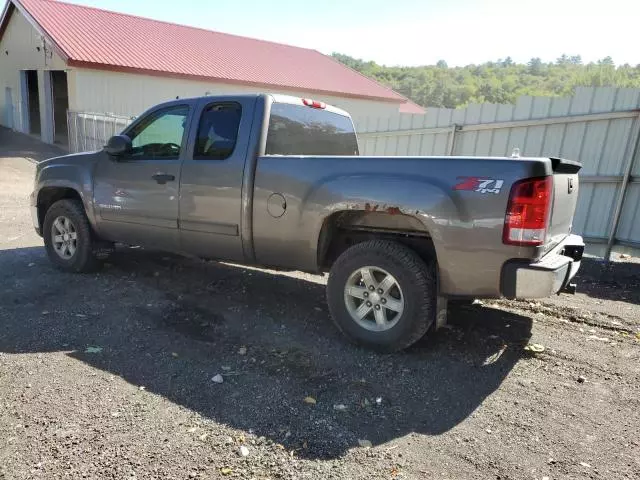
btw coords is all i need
(606, 61)
(535, 66)
(507, 62)
(502, 81)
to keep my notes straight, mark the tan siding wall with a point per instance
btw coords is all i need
(131, 94)
(21, 40)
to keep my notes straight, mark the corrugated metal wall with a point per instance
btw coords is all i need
(597, 126)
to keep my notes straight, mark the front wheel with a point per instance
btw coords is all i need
(381, 294)
(68, 237)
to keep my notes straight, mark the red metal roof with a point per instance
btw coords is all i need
(95, 38)
(410, 107)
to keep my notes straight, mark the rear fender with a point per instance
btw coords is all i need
(432, 204)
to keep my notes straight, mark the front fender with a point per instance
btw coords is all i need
(68, 176)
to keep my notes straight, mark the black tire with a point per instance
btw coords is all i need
(416, 278)
(84, 259)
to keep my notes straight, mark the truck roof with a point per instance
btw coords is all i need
(300, 101)
(278, 98)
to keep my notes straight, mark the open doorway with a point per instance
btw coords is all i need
(33, 101)
(60, 97)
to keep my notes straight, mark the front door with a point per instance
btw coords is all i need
(137, 195)
(212, 173)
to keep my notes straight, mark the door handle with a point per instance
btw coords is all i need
(163, 178)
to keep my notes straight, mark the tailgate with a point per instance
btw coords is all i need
(565, 198)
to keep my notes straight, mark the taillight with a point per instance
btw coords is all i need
(528, 212)
(313, 103)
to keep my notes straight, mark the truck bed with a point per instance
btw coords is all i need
(458, 202)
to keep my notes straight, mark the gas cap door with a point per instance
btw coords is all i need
(276, 205)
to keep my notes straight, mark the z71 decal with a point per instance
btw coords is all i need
(480, 185)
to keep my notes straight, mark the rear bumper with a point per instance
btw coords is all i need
(546, 277)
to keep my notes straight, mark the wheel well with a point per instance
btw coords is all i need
(341, 230)
(49, 195)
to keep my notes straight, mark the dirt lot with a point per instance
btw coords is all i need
(110, 375)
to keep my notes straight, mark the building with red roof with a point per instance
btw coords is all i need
(56, 56)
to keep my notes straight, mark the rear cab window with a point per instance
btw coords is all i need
(218, 131)
(304, 130)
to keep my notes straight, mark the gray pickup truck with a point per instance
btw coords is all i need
(277, 181)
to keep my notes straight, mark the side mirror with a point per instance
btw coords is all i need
(118, 145)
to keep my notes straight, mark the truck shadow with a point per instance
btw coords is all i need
(171, 324)
(619, 281)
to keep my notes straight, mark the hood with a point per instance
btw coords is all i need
(84, 158)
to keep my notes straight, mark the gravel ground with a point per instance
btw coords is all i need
(110, 375)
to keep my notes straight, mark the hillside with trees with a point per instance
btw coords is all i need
(502, 81)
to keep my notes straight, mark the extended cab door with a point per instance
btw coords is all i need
(137, 195)
(212, 176)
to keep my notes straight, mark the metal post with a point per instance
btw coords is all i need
(452, 138)
(104, 130)
(76, 144)
(69, 131)
(630, 151)
(95, 133)
(85, 135)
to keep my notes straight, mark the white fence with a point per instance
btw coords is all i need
(90, 131)
(597, 126)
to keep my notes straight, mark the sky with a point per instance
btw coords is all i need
(417, 32)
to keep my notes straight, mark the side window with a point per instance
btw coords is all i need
(159, 136)
(217, 131)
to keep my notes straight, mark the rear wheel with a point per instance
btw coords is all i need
(381, 294)
(68, 237)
